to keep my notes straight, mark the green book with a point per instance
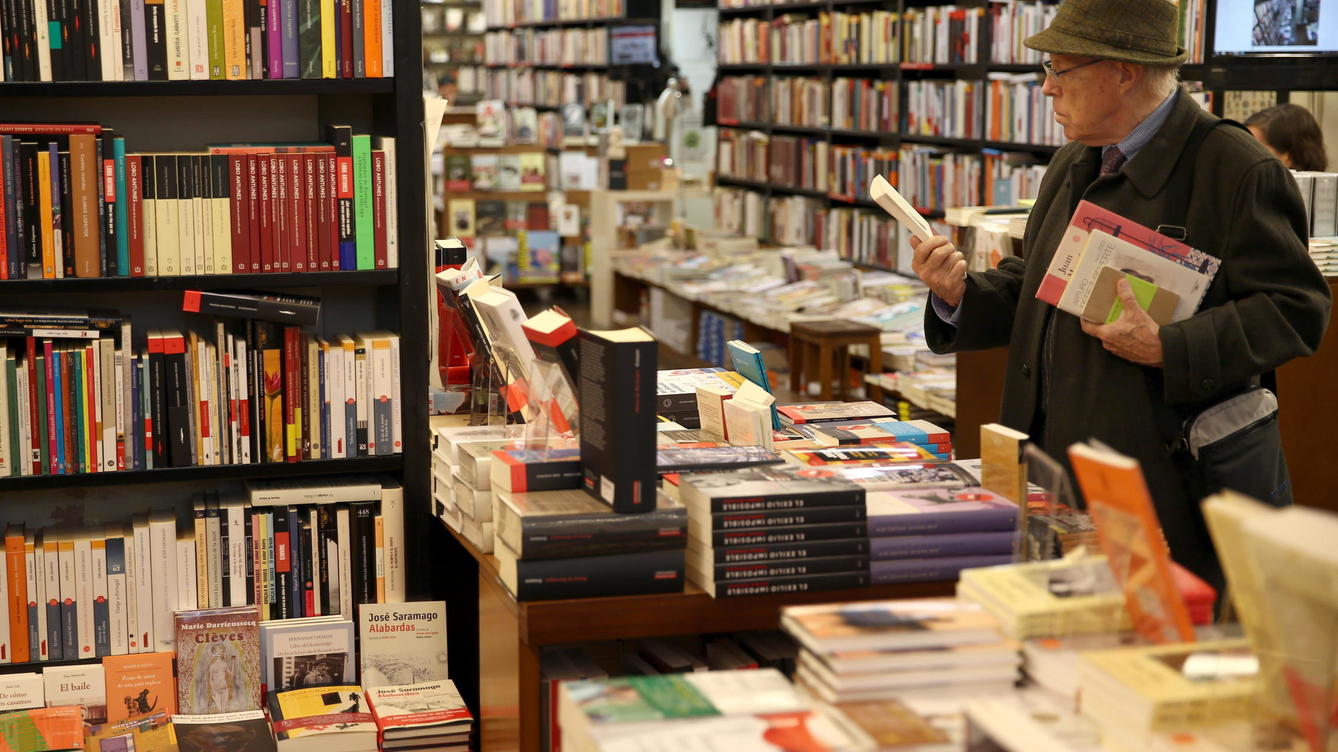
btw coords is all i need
(213, 15)
(362, 202)
(309, 38)
(1144, 291)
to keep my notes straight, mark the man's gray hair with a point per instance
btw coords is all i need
(1161, 80)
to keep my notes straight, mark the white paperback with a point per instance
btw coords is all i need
(748, 416)
(78, 685)
(20, 691)
(402, 643)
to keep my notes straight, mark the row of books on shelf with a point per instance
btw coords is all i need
(490, 171)
(235, 395)
(512, 12)
(550, 88)
(120, 40)
(76, 204)
(281, 550)
(565, 46)
(254, 683)
(1319, 193)
(933, 35)
(950, 109)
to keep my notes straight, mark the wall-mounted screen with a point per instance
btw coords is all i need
(1276, 27)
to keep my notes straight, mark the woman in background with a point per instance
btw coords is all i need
(1290, 131)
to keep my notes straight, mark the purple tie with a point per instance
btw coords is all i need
(1112, 161)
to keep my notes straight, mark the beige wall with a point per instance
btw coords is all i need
(1324, 105)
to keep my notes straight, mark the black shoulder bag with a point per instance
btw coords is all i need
(1236, 442)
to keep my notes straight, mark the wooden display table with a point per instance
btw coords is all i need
(512, 636)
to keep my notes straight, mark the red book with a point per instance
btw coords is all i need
(265, 210)
(379, 208)
(292, 392)
(344, 13)
(322, 243)
(282, 222)
(311, 244)
(238, 212)
(134, 212)
(4, 238)
(536, 216)
(297, 220)
(332, 208)
(253, 211)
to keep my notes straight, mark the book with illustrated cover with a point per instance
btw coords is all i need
(489, 217)
(508, 172)
(315, 651)
(218, 660)
(338, 714)
(42, 729)
(869, 454)
(1104, 251)
(939, 510)
(916, 476)
(139, 685)
(425, 712)
(554, 524)
(458, 172)
(402, 643)
(890, 725)
(920, 432)
(833, 412)
(768, 488)
(889, 625)
(1071, 596)
(484, 169)
(673, 459)
(241, 731)
(538, 257)
(150, 733)
(747, 361)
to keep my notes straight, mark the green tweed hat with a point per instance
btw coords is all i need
(1131, 31)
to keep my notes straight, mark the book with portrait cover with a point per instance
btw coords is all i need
(309, 652)
(139, 685)
(218, 660)
(402, 643)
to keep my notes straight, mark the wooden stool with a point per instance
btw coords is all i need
(827, 343)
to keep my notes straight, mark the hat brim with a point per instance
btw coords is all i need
(1054, 41)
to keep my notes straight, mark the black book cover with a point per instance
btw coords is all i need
(72, 41)
(45, 437)
(9, 33)
(10, 173)
(283, 562)
(341, 136)
(155, 33)
(786, 517)
(67, 211)
(327, 538)
(791, 567)
(560, 536)
(787, 551)
(796, 534)
(127, 43)
(309, 38)
(27, 42)
(359, 50)
(31, 250)
(56, 21)
(156, 372)
(107, 206)
(617, 392)
(92, 44)
(266, 338)
(798, 584)
(362, 529)
(304, 422)
(300, 528)
(360, 353)
(178, 401)
(600, 576)
(282, 309)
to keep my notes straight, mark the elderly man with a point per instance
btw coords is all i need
(1144, 150)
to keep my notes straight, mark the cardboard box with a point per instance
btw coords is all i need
(645, 156)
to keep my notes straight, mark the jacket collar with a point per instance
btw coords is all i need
(1149, 170)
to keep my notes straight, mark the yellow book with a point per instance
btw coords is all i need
(380, 559)
(234, 40)
(1003, 469)
(339, 712)
(329, 64)
(47, 230)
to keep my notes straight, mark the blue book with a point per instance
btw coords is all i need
(51, 560)
(58, 397)
(749, 364)
(291, 63)
(122, 211)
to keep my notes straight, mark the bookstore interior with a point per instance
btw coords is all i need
(649, 375)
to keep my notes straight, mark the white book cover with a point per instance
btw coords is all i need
(502, 316)
(32, 573)
(84, 685)
(43, 43)
(388, 41)
(901, 210)
(222, 226)
(166, 237)
(131, 596)
(146, 635)
(402, 643)
(362, 389)
(163, 567)
(334, 386)
(237, 555)
(298, 653)
(204, 231)
(323, 410)
(187, 596)
(150, 227)
(109, 38)
(350, 359)
(1104, 249)
(241, 385)
(396, 419)
(124, 445)
(344, 533)
(379, 426)
(312, 410)
(200, 405)
(186, 224)
(25, 453)
(83, 593)
(127, 459)
(290, 492)
(37, 586)
(748, 416)
(387, 145)
(101, 625)
(51, 590)
(197, 39)
(22, 691)
(392, 514)
(117, 591)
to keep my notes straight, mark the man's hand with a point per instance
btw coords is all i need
(1134, 335)
(940, 266)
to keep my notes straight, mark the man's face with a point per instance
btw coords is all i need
(1085, 98)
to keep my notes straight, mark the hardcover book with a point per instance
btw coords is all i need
(421, 712)
(244, 731)
(338, 715)
(617, 391)
(402, 643)
(218, 660)
(555, 524)
(139, 686)
(314, 651)
(655, 571)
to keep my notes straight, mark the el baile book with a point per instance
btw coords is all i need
(218, 660)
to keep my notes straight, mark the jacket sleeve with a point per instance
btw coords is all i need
(1279, 306)
(987, 310)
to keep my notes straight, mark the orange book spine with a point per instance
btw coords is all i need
(371, 37)
(17, 582)
(83, 200)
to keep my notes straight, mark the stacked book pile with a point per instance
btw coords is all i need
(448, 451)
(855, 652)
(775, 529)
(1076, 595)
(427, 716)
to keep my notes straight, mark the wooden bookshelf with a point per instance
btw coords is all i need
(377, 278)
(382, 464)
(264, 87)
(511, 635)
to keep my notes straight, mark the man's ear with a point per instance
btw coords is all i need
(1130, 75)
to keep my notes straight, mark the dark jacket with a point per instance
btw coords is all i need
(1267, 305)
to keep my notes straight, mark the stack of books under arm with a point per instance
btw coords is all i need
(881, 650)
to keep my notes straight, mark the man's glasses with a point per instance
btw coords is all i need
(1049, 66)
